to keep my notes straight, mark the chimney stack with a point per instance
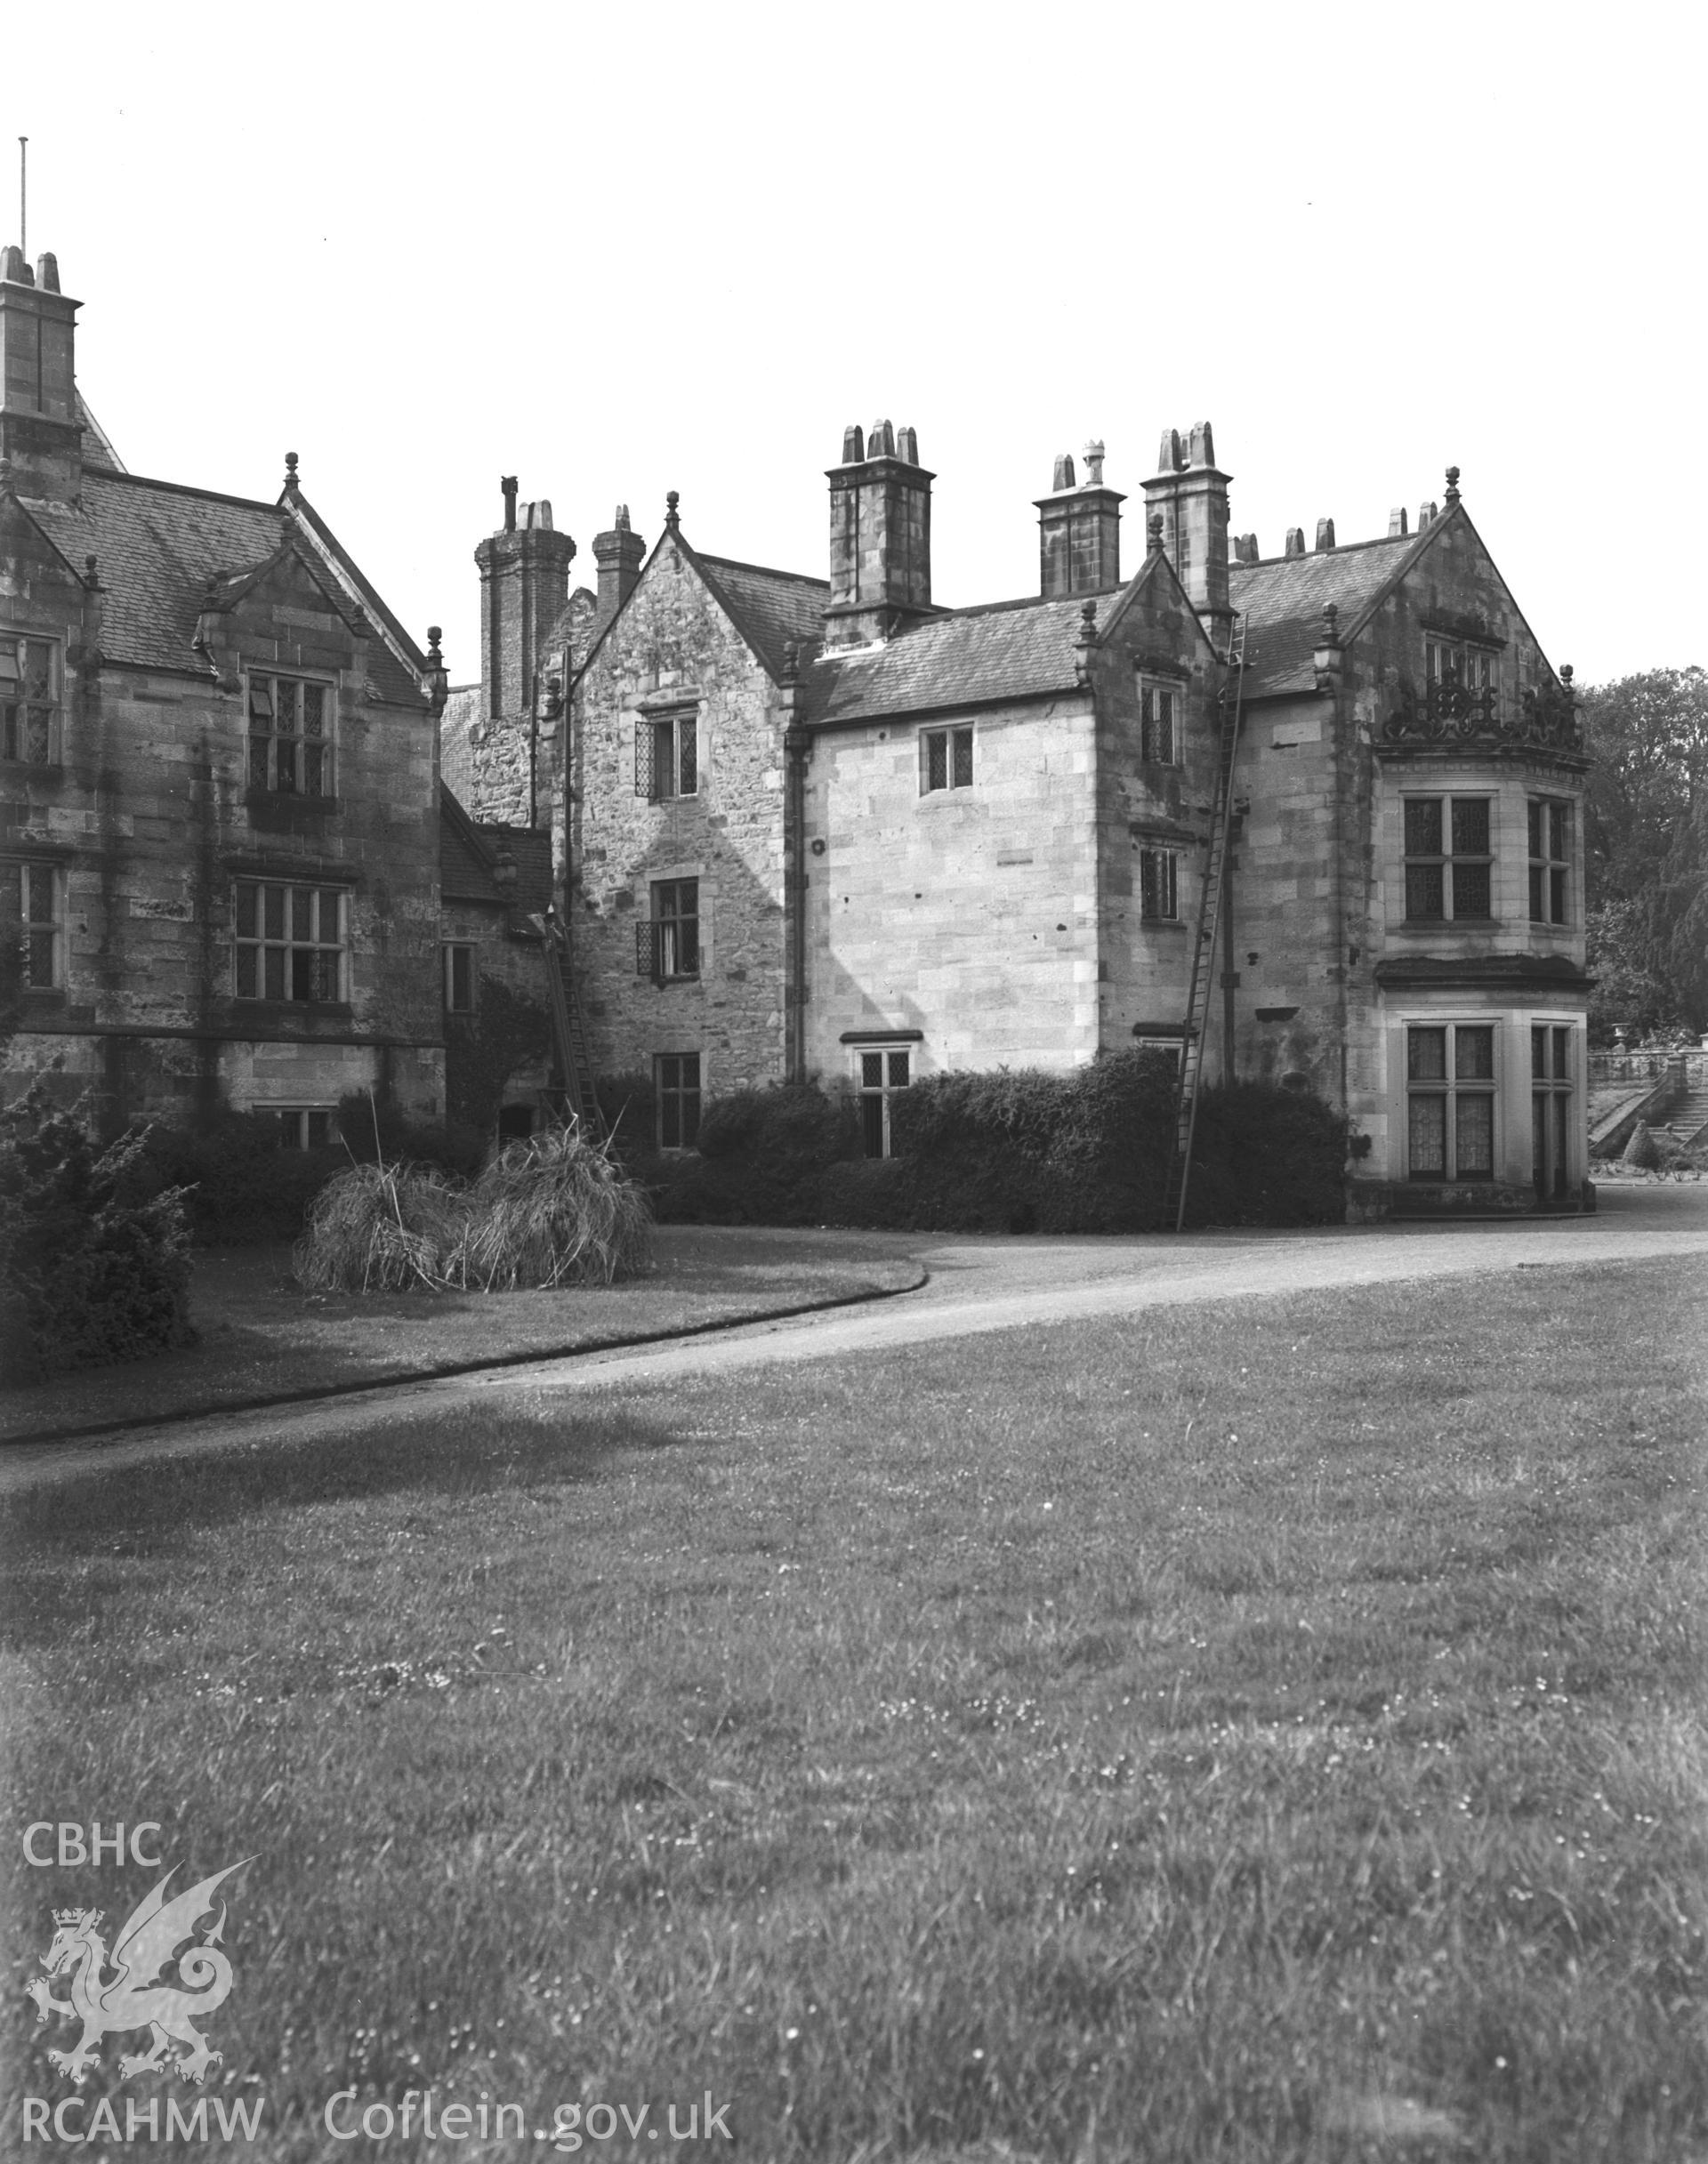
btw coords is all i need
(1191, 491)
(1079, 530)
(618, 553)
(524, 584)
(879, 536)
(39, 430)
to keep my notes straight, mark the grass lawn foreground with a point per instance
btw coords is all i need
(1264, 1732)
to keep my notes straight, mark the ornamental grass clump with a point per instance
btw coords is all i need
(550, 1212)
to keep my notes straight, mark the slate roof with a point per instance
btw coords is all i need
(1283, 600)
(1009, 650)
(772, 609)
(156, 544)
(468, 853)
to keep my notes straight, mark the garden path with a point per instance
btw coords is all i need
(976, 1284)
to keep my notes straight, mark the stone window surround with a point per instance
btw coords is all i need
(14, 735)
(306, 1135)
(33, 880)
(258, 683)
(1159, 893)
(1447, 858)
(1451, 1088)
(260, 942)
(880, 1068)
(953, 747)
(652, 715)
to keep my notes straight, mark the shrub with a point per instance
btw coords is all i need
(760, 1160)
(87, 1276)
(240, 1186)
(549, 1212)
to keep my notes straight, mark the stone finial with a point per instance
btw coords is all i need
(1397, 527)
(1296, 541)
(91, 573)
(503, 870)
(1453, 484)
(1566, 674)
(791, 662)
(620, 524)
(1325, 533)
(673, 522)
(1331, 625)
(1087, 621)
(1095, 457)
(47, 273)
(881, 440)
(290, 470)
(508, 485)
(1153, 534)
(1064, 474)
(907, 446)
(435, 659)
(854, 445)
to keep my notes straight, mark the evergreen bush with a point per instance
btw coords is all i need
(88, 1276)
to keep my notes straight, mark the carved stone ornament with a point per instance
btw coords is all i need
(1449, 713)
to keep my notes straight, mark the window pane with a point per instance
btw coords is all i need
(662, 734)
(273, 975)
(38, 671)
(39, 893)
(871, 1070)
(937, 761)
(1539, 1051)
(1557, 895)
(38, 961)
(39, 729)
(314, 710)
(1425, 890)
(872, 1125)
(690, 754)
(1562, 1055)
(246, 910)
(1557, 819)
(313, 755)
(1537, 826)
(330, 898)
(1470, 826)
(1427, 1157)
(274, 910)
(1470, 889)
(1422, 826)
(1537, 891)
(285, 778)
(1474, 1140)
(1426, 1055)
(962, 778)
(1473, 1054)
(898, 1070)
(246, 972)
(302, 962)
(319, 1127)
(261, 699)
(258, 762)
(285, 707)
(301, 912)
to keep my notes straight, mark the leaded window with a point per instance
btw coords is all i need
(945, 760)
(880, 1072)
(1450, 1101)
(290, 943)
(1550, 838)
(677, 1081)
(30, 699)
(1448, 862)
(290, 736)
(1158, 730)
(667, 944)
(667, 755)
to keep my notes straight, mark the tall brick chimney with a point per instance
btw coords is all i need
(524, 584)
(618, 553)
(39, 430)
(1079, 531)
(880, 537)
(1191, 491)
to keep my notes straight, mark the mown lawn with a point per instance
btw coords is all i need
(1267, 1732)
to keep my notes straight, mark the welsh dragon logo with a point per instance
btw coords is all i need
(133, 1997)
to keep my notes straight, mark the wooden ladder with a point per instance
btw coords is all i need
(1203, 947)
(568, 1031)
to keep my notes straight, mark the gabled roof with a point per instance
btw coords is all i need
(1284, 599)
(157, 545)
(971, 657)
(468, 859)
(771, 609)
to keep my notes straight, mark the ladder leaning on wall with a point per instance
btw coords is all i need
(568, 1033)
(1203, 947)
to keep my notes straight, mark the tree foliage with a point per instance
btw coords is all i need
(1647, 851)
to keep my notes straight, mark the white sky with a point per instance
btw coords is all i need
(618, 250)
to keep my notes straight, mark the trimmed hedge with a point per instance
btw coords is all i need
(1010, 1151)
(88, 1277)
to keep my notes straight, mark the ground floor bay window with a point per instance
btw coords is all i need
(1450, 1100)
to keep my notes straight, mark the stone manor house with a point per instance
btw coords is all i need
(794, 827)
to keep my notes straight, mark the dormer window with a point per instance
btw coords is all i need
(30, 700)
(290, 736)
